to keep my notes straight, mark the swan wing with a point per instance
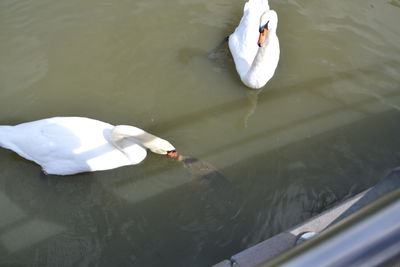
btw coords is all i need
(84, 144)
(29, 140)
(243, 41)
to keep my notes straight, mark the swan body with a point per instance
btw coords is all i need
(70, 145)
(256, 61)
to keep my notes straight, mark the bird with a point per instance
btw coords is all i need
(254, 44)
(71, 145)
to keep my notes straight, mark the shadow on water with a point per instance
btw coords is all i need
(311, 85)
(77, 220)
(308, 85)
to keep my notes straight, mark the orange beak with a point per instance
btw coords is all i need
(175, 155)
(172, 154)
(262, 37)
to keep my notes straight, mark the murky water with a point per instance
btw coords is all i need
(324, 128)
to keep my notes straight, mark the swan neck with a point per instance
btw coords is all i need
(122, 132)
(255, 71)
(262, 52)
(258, 59)
(256, 76)
(139, 136)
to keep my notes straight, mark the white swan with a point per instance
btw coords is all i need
(69, 145)
(256, 64)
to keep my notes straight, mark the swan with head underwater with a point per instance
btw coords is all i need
(254, 45)
(70, 145)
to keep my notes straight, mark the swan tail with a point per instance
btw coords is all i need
(3, 135)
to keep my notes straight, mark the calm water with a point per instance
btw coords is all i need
(324, 128)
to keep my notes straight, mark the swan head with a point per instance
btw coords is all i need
(160, 146)
(268, 24)
(147, 140)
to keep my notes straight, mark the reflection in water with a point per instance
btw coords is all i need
(325, 127)
(205, 171)
(252, 97)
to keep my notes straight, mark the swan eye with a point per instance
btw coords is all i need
(264, 27)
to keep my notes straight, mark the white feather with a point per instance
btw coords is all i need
(69, 145)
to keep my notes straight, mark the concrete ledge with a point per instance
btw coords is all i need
(264, 250)
(225, 263)
(275, 245)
